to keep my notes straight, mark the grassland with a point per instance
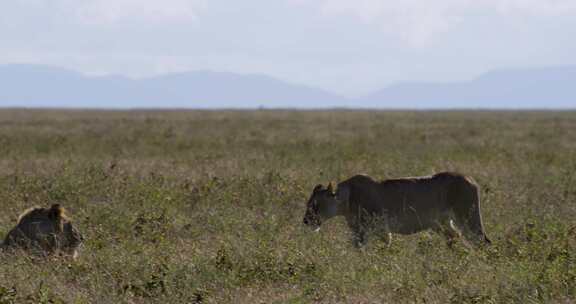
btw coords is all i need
(206, 207)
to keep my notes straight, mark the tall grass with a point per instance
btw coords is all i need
(206, 207)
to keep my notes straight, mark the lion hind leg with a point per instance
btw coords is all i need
(465, 202)
(455, 233)
(360, 238)
(388, 239)
(449, 230)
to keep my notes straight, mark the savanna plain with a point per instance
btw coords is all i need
(207, 206)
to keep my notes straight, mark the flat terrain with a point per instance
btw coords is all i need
(206, 207)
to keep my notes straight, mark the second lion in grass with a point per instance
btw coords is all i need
(44, 231)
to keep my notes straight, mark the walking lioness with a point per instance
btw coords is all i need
(446, 203)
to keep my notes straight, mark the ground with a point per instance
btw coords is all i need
(207, 206)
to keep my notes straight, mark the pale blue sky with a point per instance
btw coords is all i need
(350, 47)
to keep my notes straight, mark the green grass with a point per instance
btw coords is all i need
(206, 207)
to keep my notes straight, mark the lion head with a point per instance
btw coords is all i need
(322, 205)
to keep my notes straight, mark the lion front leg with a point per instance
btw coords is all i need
(381, 226)
(359, 233)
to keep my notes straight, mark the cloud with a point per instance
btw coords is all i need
(115, 11)
(419, 21)
(99, 12)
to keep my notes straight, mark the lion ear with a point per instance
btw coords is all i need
(331, 188)
(56, 212)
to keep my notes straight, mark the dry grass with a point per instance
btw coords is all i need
(206, 207)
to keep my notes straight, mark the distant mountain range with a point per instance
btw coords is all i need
(43, 86)
(553, 87)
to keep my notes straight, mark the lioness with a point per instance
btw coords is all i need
(446, 202)
(44, 231)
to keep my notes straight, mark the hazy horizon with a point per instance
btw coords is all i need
(47, 86)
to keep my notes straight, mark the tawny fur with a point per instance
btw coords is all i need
(446, 202)
(44, 231)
